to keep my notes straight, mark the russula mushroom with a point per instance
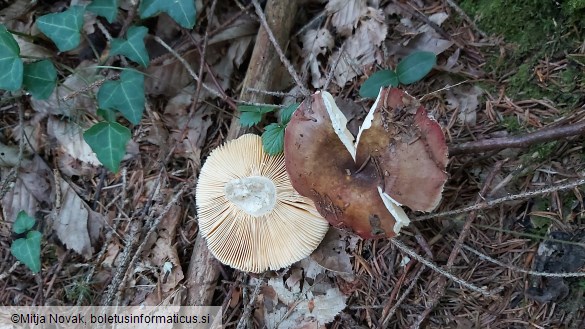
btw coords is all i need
(250, 215)
(399, 158)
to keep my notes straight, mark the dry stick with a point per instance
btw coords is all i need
(539, 136)
(407, 250)
(283, 59)
(521, 270)
(495, 202)
(250, 305)
(440, 286)
(391, 312)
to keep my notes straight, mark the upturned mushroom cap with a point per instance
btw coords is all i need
(250, 215)
(399, 158)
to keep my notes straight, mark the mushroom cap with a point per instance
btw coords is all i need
(399, 158)
(249, 213)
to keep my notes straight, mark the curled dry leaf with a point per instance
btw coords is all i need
(399, 158)
(346, 14)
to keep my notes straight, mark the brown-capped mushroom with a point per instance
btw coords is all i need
(399, 157)
(250, 215)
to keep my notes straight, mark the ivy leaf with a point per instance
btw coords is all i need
(23, 223)
(182, 11)
(287, 112)
(125, 95)
(108, 140)
(108, 115)
(252, 114)
(105, 8)
(415, 66)
(11, 66)
(28, 250)
(63, 28)
(384, 78)
(273, 138)
(133, 46)
(40, 78)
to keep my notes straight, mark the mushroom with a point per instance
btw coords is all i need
(399, 157)
(250, 215)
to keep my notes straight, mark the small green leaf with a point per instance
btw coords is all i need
(108, 140)
(287, 112)
(23, 222)
(105, 8)
(108, 115)
(384, 78)
(415, 66)
(133, 46)
(28, 250)
(40, 78)
(273, 138)
(252, 114)
(125, 95)
(63, 28)
(11, 66)
(182, 11)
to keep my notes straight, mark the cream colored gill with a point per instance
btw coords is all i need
(396, 210)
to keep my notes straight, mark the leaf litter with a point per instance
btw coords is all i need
(374, 36)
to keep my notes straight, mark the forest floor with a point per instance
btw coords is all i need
(505, 69)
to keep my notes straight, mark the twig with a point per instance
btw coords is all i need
(542, 135)
(272, 93)
(332, 72)
(250, 305)
(283, 58)
(439, 270)
(461, 13)
(495, 202)
(521, 270)
(391, 312)
(439, 287)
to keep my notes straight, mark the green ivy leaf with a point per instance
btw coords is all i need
(133, 46)
(252, 114)
(415, 66)
(28, 250)
(273, 138)
(125, 95)
(40, 78)
(105, 8)
(287, 112)
(23, 222)
(182, 11)
(108, 115)
(11, 66)
(63, 28)
(108, 140)
(384, 78)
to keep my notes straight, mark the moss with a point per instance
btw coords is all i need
(532, 30)
(512, 125)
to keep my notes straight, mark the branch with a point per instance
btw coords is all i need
(542, 135)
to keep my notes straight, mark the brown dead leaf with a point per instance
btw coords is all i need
(70, 138)
(71, 222)
(466, 101)
(176, 114)
(310, 307)
(33, 186)
(164, 253)
(346, 14)
(362, 48)
(316, 42)
(332, 255)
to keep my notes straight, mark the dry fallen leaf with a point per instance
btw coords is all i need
(346, 14)
(71, 222)
(70, 137)
(362, 48)
(466, 101)
(33, 186)
(316, 42)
